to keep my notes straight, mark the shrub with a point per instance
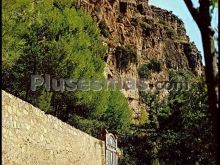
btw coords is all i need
(155, 66)
(145, 27)
(125, 55)
(171, 33)
(143, 118)
(165, 23)
(143, 71)
(104, 29)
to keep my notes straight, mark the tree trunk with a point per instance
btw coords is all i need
(210, 67)
(203, 20)
(211, 80)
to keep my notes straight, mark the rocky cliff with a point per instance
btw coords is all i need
(144, 33)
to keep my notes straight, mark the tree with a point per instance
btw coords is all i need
(202, 16)
(178, 130)
(53, 37)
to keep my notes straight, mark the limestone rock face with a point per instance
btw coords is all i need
(152, 32)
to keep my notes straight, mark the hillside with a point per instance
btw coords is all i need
(152, 33)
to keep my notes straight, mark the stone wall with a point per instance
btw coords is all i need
(34, 138)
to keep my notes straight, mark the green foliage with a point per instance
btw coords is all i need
(91, 126)
(142, 117)
(214, 4)
(63, 4)
(118, 113)
(54, 38)
(164, 23)
(171, 33)
(110, 112)
(180, 76)
(179, 130)
(145, 26)
(155, 66)
(104, 29)
(137, 19)
(44, 100)
(55, 43)
(144, 70)
(12, 23)
(125, 55)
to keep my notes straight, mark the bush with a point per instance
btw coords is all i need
(176, 124)
(155, 66)
(171, 33)
(165, 23)
(143, 118)
(125, 55)
(145, 27)
(104, 29)
(143, 71)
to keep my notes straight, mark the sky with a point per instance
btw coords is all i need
(179, 8)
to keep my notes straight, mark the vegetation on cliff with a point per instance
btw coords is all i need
(125, 55)
(144, 70)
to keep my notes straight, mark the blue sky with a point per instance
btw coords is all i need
(178, 8)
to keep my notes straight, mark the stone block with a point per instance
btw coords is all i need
(25, 112)
(32, 137)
